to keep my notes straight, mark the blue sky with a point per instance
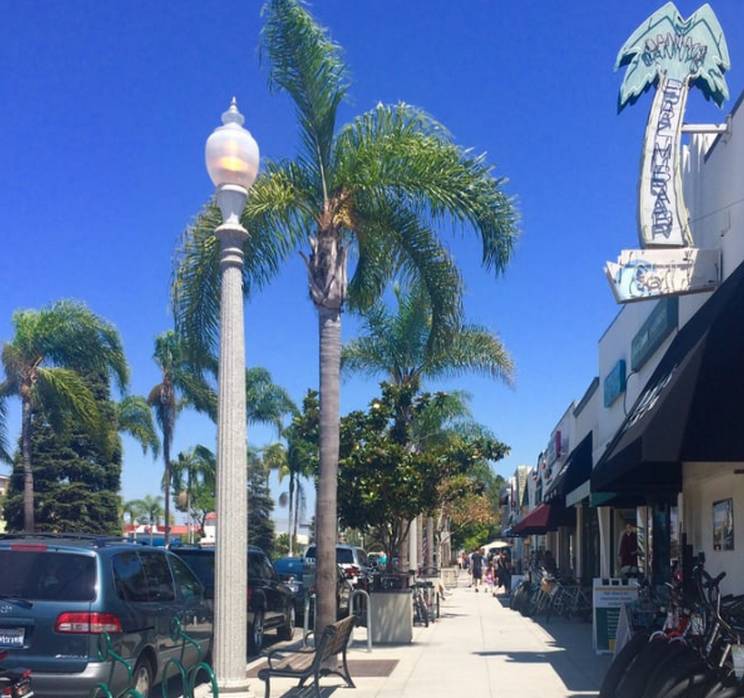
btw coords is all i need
(106, 106)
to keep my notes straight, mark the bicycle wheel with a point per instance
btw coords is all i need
(633, 683)
(620, 664)
(688, 681)
(675, 661)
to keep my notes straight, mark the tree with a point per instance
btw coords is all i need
(194, 479)
(133, 510)
(375, 186)
(152, 509)
(260, 506)
(77, 476)
(384, 484)
(281, 545)
(42, 366)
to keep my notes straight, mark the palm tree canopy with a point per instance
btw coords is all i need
(65, 334)
(399, 346)
(198, 464)
(134, 417)
(152, 507)
(381, 183)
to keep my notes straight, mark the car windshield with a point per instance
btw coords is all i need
(344, 556)
(47, 576)
(289, 566)
(201, 564)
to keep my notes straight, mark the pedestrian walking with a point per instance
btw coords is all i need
(477, 561)
(490, 578)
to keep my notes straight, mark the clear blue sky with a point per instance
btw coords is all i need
(106, 106)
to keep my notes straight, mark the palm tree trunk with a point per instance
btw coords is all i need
(289, 514)
(28, 473)
(167, 484)
(326, 523)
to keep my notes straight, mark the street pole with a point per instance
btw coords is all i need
(232, 162)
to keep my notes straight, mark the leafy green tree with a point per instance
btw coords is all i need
(77, 476)
(281, 545)
(194, 475)
(375, 187)
(43, 364)
(260, 507)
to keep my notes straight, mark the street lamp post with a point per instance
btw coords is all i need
(232, 162)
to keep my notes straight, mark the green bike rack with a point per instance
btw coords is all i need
(188, 675)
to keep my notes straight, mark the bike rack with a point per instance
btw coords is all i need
(309, 600)
(361, 594)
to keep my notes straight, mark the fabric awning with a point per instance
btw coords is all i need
(576, 469)
(691, 408)
(543, 518)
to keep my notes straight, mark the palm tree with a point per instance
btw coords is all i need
(192, 469)
(152, 510)
(398, 347)
(134, 417)
(179, 385)
(43, 363)
(134, 509)
(375, 186)
(4, 445)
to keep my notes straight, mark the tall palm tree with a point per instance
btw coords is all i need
(43, 363)
(134, 417)
(134, 509)
(375, 186)
(4, 444)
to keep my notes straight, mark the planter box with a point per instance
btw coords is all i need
(391, 617)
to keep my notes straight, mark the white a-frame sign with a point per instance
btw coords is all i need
(672, 54)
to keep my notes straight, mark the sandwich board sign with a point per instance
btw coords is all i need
(608, 598)
(672, 54)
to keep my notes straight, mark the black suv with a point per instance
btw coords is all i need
(59, 594)
(270, 602)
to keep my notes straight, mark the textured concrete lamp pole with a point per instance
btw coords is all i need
(232, 163)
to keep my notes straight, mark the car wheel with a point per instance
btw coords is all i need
(286, 631)
(142, 676)
(255, 634)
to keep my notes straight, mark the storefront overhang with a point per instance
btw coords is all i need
(544, 518)
(576, 469)
(691, 409)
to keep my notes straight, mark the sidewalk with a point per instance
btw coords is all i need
(478, 648)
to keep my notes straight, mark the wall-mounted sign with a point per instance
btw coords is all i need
(643, 274)
(657, 327)
(614, 383)
(671, 53)
(723, 525)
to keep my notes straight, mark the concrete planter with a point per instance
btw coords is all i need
(391, 615)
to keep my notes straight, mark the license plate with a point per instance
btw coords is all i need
(12, 637)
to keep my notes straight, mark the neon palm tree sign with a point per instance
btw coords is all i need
(672, 54)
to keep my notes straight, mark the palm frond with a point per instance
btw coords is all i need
(69, 334)
(400, 149)
(62, 394)
(276, 212)
(134, 417)
(265, 401)
(308, 65)
(472, 349)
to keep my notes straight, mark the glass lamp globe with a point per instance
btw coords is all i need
(231, 152)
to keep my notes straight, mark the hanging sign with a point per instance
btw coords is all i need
(642, 274)
(670, 53)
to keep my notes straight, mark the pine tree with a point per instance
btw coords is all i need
(260, 508)
(77, 477)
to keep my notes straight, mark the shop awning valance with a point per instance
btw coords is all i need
(543, 518)
(576, 469)
(692, 408)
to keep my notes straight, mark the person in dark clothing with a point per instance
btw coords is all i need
(628, 553)
(477, 562)
(549, 563)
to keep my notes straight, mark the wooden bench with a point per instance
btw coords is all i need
(305, 664)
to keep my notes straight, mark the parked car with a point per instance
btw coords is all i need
(299, 577)
(60, 594)
(271, 603)
(352, 559)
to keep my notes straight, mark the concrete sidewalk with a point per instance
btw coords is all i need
(478, 648)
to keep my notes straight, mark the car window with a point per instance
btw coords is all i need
(187, 584)
(344, 556)
(202, 565)
(362, 557)
(268, 569)
(310, 552)
(129, 578)
(255, 566)
(159, 577)
(47, 576)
